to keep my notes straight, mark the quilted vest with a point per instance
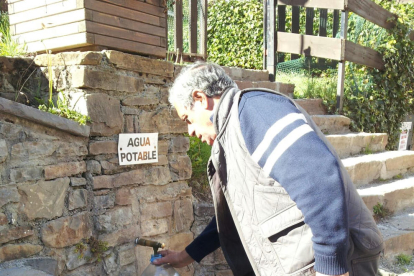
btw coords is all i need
(260, 227)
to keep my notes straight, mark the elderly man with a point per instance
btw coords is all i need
(284, 203)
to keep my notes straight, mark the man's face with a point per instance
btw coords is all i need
(198, 118)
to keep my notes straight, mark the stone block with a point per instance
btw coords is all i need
(45, 199)
(77, 181)
(179, 144)
(64, 169)
(143, 255)
(67, 231)
(155, 227)
(105, 80)
(4, 151)
(126, 255)
(87, 270)
(69, 58)
(103, 202)
(118, 180)
(26, 174)
(8, 195)
(18, 251)
(103, 147)
(163, 146)
(162, 161)
(130, 110)
(155, 210)
(128, 270)
(110, 264)
(158, 175)
(143, 99)
(183, 215)
(114, 219)
(163, 121)
(105, 114)
(140, 64)
(152, 193)
(164, 93)
(111, 166)
(15, 233)
(74, 261)
(123, 196)
(3, 219)
(93, 167)
(44, 264)
(129, 124)
(122, 236)
(180, 167)
(78, 199)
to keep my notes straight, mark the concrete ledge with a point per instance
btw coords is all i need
(332, 124)
(43, 118)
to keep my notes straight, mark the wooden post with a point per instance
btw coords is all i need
(193, 26)
(341, 65)
(295, 25)
(203, 46)
(281, 27)
(264, 34)
(310, 14)
(178, 25)
(335, 23)
(271, 40)
(323, 17)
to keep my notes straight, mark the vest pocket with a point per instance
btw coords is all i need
(290, 239)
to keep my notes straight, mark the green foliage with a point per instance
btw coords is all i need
(8, 45)
(398, 176)
(235, 33)
(199, 154)
(380, 211)
(403, 259)
(97, 248)
(62, 109)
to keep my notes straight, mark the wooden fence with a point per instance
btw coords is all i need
(321, 46)
(193, 54)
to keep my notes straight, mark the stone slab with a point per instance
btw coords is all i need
(26, 271)
(43, 118)
(4, 151)
(45, 199)
(45, 264)
(8, 195)
(332, 124)
(15, 233)
(64, 169)
(312, 106)
(69, 58)
(78, 199)
(18, 251)
(103, 147)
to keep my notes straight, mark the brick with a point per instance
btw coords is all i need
(15, 233)
(183, 215)
(45, 199)
(118, 180)
(8, 195)
(93, 167)
(105, 114)
(18, 251)
(123, 196)
(78, 199)
(69, 58)
(77, 181)
(64, 169)
(103, 147)
(156, 210)
(114, 219)
(67, 231)
(140, 64)
(155, 227)
(110, 81)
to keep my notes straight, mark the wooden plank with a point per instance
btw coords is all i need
(60, 31)
(340, 88)
(308, 45)
(203, 38)
(61, 7)
(322, 4)
(372, 12)
(97, 28)
(323, 18)
(295, 24)
(193, 26)
(187, 57)
(363, 55)
(26, 5)
(129, 46)
(281, 27)
(122, 12)
(310, 14)
(178, 26)
(61, 43)
(157, 3)
(127, 24)
(271, 39)
(335, 23)
(52, 21)
(138, 6)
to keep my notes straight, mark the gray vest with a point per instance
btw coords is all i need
(255, 212)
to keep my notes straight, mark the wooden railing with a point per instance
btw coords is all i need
(321, 46)
(201, 54)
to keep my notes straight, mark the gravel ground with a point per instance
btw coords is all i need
(391, 268)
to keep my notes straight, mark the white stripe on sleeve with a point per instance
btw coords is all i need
(274, 130)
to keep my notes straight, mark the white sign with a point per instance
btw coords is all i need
(405, 131)
(138, 148)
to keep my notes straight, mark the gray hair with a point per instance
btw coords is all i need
(207, 77)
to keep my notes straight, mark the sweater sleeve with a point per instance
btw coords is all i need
(286, 147)
(207, 242)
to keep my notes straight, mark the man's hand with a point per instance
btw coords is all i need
(174, 258)
(320, 274)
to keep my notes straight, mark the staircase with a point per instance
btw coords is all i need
(384, 179)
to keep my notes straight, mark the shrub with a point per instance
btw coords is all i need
(8, 45)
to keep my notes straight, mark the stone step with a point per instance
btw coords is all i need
(332, 124)
(284, 88)
(239, 74)
(385, 165)
(312, 106)
(358, 143)
(395, 196)
(398, 233)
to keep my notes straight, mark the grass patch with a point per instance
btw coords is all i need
(398, 176)
(380, 211)
(403, 259)
(8, 45)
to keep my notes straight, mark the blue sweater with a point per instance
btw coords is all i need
(281, 142)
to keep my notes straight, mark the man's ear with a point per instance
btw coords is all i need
(201, 97)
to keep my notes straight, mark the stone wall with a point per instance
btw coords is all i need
(59, 188)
